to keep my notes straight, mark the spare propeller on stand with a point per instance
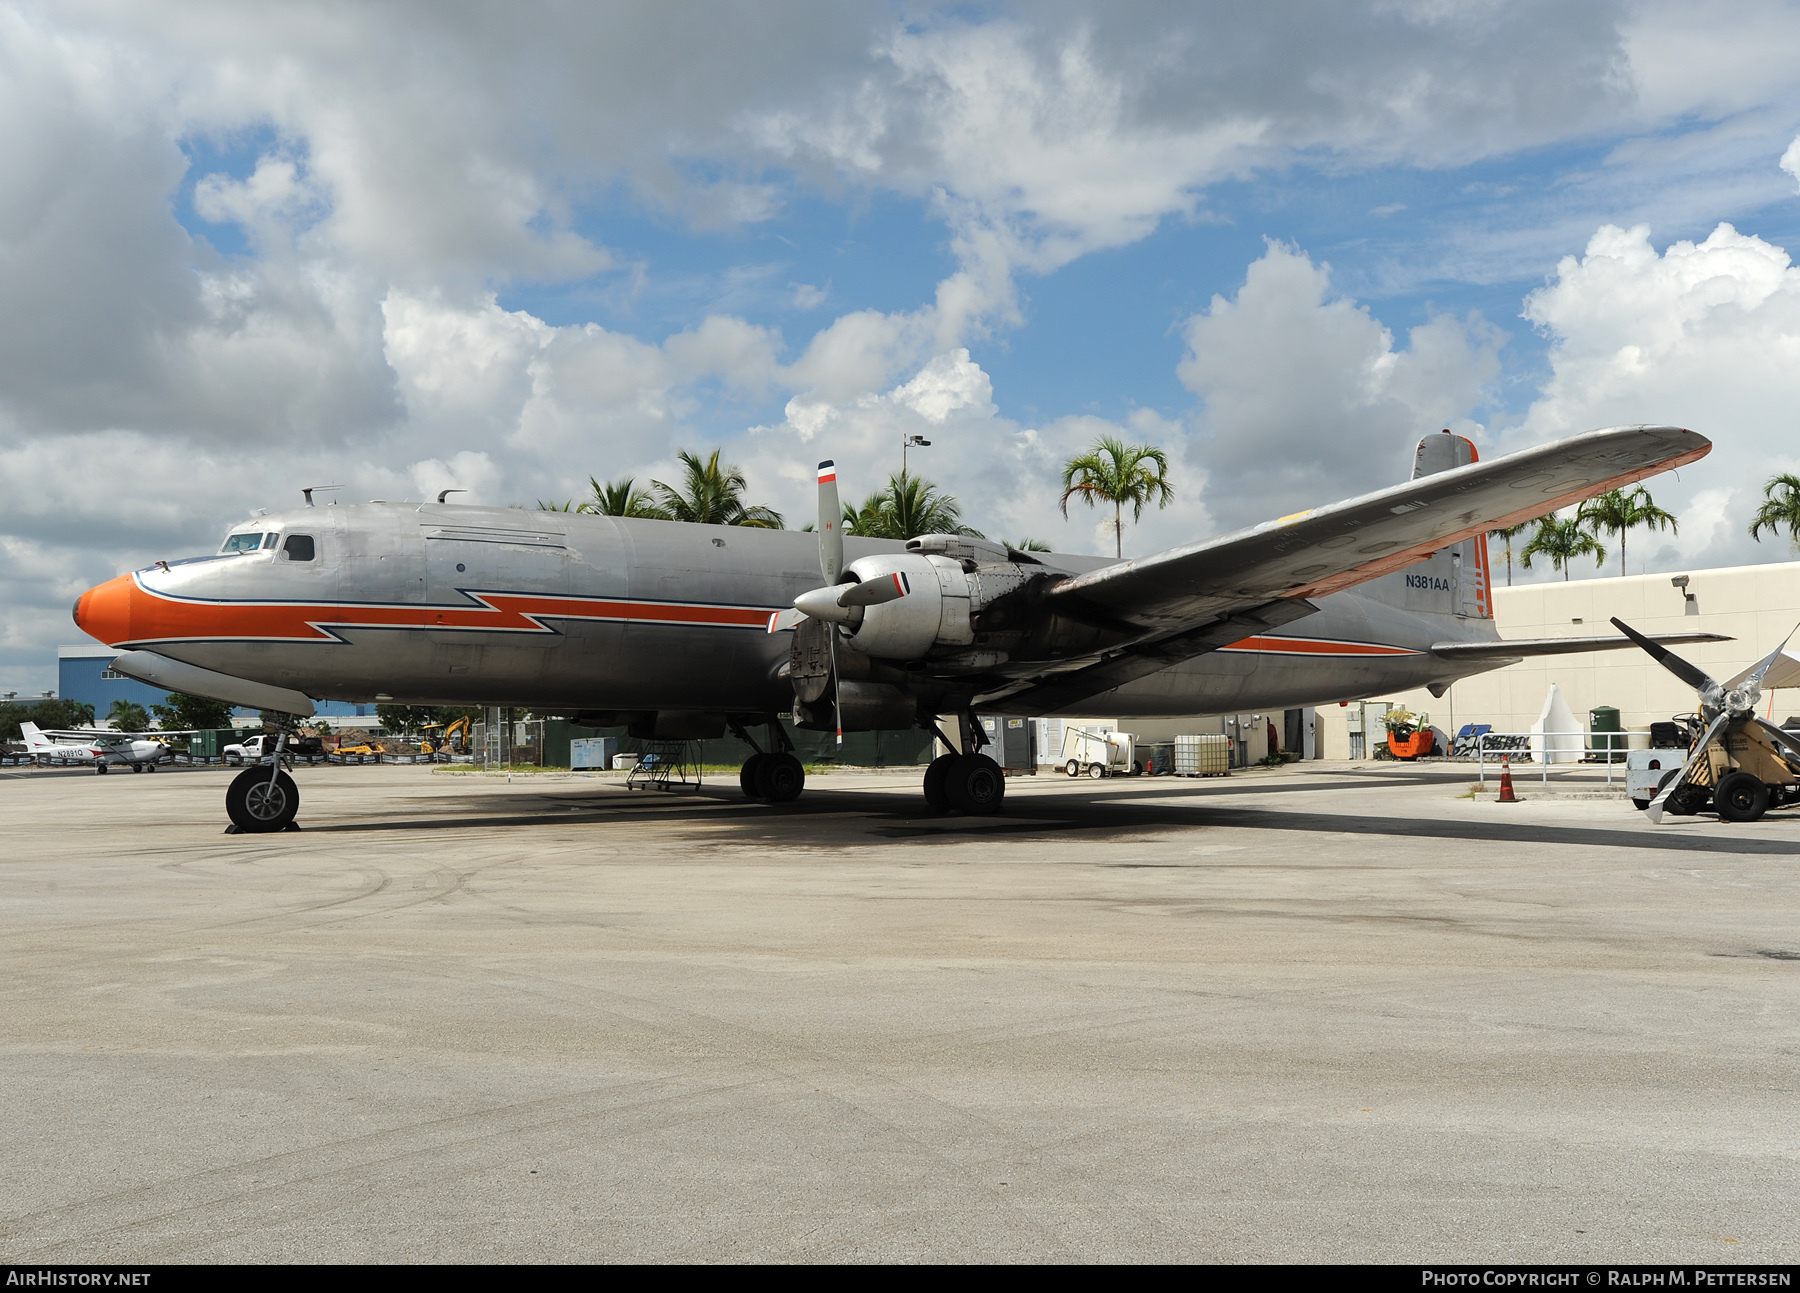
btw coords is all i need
(1745, 793)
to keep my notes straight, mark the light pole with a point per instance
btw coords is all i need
(911, 442)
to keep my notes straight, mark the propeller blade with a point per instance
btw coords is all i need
(1693, 675)
(837, 683)
(1782, 739)
(874, 592)
(1713, 731)
(831, 524)
(1754, 681)
(782, 621)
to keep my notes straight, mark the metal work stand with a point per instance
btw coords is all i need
(666, 766)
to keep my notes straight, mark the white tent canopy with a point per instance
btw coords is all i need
(1785, 672)
(1556, 737)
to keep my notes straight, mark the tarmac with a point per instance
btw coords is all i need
(1332, 1014)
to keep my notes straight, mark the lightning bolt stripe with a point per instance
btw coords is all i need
(1316, 647)
(164, 617)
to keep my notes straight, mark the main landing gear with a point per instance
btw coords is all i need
(773, 776)
(970, 783)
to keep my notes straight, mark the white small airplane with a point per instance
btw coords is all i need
(138, 751)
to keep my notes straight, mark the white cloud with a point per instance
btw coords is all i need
(1790, 160)
(1306, 400)
(1705, 335)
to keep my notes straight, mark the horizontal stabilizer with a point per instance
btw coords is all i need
(1520, 648)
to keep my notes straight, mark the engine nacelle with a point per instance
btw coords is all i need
(934, 612)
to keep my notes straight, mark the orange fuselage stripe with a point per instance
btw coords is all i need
(1310, 646)
(157, 617)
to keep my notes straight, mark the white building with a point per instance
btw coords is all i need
(1757, 606)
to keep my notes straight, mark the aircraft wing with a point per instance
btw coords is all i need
(109, 734)
(1196, 598)
(1327, 549)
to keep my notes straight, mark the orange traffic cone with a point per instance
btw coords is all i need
(1506, 790)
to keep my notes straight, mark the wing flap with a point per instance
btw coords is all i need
(1327, 549)
(1048, 695)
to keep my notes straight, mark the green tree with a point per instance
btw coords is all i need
(1117, 473)
(405, 719)
(1780, 509)
(1618, 510)
(1506, 536)
(622, 498)
(712, 493)
(128, 716)
(907, 508)
(1028, 544)
(567, 505)
(48, 713)
(1562, 540)
(182, 712)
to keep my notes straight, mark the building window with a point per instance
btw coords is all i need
(107, 675)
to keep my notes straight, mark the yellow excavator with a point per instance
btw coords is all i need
(442, 738)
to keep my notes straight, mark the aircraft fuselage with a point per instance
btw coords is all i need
(455, 604)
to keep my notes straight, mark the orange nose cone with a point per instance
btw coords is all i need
(105, 612)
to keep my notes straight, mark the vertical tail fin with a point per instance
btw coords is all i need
(1442, 452)
(1454, 581)
(34, 737)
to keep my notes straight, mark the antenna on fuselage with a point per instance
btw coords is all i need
(307, 492)
(443, 492)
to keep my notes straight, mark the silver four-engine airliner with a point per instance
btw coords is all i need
(681, 631)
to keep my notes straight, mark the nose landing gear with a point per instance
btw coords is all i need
(262, 799)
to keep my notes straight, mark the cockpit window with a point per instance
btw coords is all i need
(269, 540)
(242, 542)
(299, 547)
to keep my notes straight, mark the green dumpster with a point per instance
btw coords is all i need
(1606, 736)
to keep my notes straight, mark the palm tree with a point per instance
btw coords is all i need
(1507, 535)
(127, 716)
(1779, 513)
(715, 496)
(907, 508)
(1117, 473)
(567, 505)
(619, 498)
(1616, 511)
(1028, 544)
(1562, 541)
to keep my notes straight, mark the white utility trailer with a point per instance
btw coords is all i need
(1646, 770)
(1088, 752)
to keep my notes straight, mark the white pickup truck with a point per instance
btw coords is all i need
(249, 751)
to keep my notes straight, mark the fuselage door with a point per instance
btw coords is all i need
(469, 567)
(379, 560)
